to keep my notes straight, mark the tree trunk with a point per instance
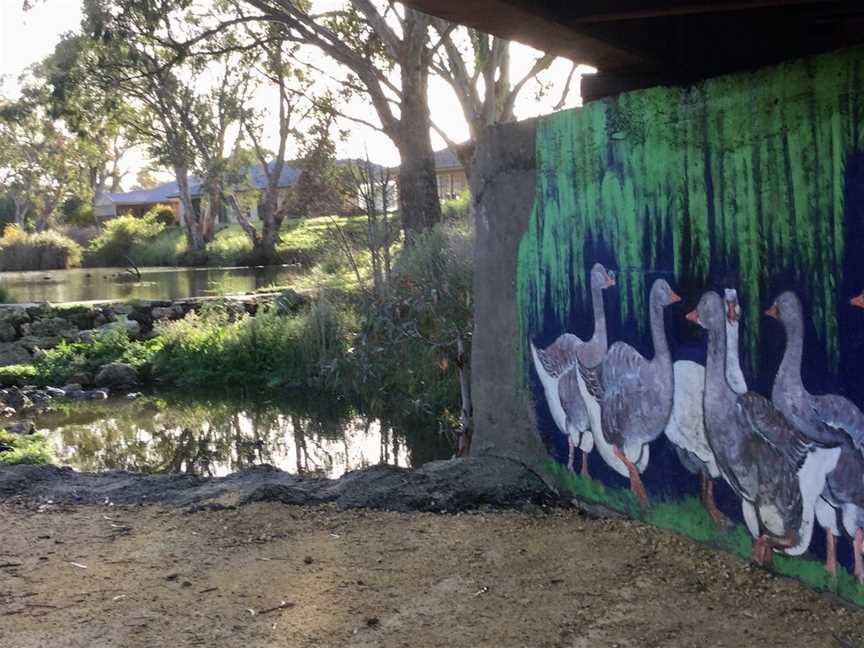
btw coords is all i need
(243, 219)
(189, 219)
(418, 189)
(265, 249)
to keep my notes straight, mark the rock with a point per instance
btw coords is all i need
(37, 395)
(7, 412)
(33, 342)
(16, 398)
(7, 332)
(12, 353)
(163, 313)
(122, 309)
(97, 394)
(100, 320)
(55, 392)
(87, 336)
(82, 378)
(24, 427)
(35, 311)
(14, 314)
(52, 327)
(72, 388)
(117, 374)
(79, 395)
(134, 395)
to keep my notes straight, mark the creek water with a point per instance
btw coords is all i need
(214, 436)
(110, 284)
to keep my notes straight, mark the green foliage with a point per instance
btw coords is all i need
(163, 214)
(217, 349)
(20, 449)
(406, 351)
(231, 246)
(77, 212)
(162, 250)
(20, 250)
(57, 365)
(113, 247)
(457, 209)
(18, 375)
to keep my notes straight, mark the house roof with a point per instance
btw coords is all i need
(446, 159)
(638, 43)
(169, 191)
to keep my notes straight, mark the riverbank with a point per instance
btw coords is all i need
(269, 574)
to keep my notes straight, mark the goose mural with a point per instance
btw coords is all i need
(829, 420)
(557, 367)
(634, 393)
(757, 451)
(686, 427)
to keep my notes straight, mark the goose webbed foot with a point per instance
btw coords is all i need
(636, 484)
(710, 504)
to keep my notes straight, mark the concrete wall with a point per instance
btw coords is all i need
(720, 200)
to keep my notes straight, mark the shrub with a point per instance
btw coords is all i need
(163, 250)
(5, 296)
(17, 375)
(57, 365)
(405, 352)
(20, 250)
(163, 214)
(457, 208)
(19, 449)
(113, 246)
(231, 246)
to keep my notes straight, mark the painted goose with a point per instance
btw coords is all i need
(634, 393)
(828, 420)
(686, 427)
(757, 451)
(556, 365)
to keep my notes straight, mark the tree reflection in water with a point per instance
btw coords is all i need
(213, 437)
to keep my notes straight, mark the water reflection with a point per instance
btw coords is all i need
(109, 284)
(217, 437)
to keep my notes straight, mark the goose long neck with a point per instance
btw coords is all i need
(599, 336)
(790, 366)
(658, 333)
(734, 375)
(717, 389)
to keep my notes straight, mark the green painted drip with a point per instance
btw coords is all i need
(634, 172)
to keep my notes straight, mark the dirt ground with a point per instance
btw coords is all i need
(274, 575)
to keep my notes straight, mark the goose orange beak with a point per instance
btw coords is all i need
(773, 312)
(858, 301)
(674, 297)
(693, 316)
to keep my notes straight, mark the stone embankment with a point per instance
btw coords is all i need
(27, 328)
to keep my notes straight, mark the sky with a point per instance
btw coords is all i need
(28, 37)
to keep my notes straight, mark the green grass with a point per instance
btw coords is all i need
(19, 449)
(688, 517)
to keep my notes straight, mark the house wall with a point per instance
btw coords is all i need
(749, 182)
(451, 183)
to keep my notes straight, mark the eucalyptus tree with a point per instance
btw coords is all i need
(478, 67)
(40, 163)
(388, 51)
(183, 107)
